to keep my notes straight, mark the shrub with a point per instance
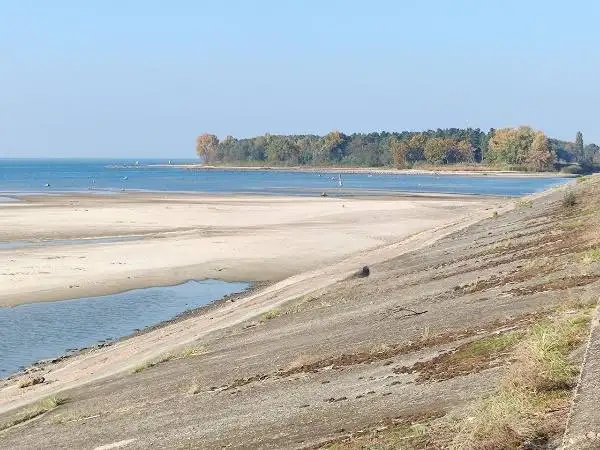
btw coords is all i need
(569, 199)
(573, 169)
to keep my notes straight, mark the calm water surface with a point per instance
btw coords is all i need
(31, 332)
(114, 175)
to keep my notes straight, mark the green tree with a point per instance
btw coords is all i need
(510, 145)
(579, 146)
(281, 149)
(435, 150)
(329, 148)
(592, 153)
(398, 151)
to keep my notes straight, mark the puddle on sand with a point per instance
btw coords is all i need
(36, 331)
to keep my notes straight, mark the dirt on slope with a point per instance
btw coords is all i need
(352, 357)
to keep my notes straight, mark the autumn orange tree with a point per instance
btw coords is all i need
(206, 147)
(540, 157)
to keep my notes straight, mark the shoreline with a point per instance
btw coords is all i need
(48, 363)
(364, 170)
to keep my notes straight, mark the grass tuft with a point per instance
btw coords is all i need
(525, 203)
(41, 407)
(185, 353)
(591, 256)
(572, 224)
(271, 314)
(543, 357)
(537, 382)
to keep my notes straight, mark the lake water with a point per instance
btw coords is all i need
(35, 331)
(22, 176)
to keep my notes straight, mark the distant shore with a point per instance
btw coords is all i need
(475, 172)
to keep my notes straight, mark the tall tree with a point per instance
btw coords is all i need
(510, 145)
(398, 150)
(206, 147)
(579, 146)
(592, 153)
(540, 158)
(329, 150)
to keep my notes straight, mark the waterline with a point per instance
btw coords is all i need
(38, 331)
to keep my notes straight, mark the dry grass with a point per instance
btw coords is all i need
(403, 435)
(471, 357)
(569, 199)
(572, 224)
(41, 407)
(301, 361)
(538, 382)
(591, 256)
(185, 353)
(271, 314)
(81, 417)
(30, 381)
(544, 355)
(527, 409)
(195, 388)
(525, 203)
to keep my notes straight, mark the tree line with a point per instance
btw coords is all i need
(522, 148)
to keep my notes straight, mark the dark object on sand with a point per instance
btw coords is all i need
(364, 272)
(324, 194)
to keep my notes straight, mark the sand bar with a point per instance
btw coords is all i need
(181, 237)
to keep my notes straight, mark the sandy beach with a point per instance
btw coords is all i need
(159, 239)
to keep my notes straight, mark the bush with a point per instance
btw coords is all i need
(569, 199)
(573, 169)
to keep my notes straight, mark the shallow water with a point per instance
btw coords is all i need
(35, 331)
(12, 245)
(22, 176)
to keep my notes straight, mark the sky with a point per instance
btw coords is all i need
(142, 78)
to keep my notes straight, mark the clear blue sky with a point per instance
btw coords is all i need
(142, 78)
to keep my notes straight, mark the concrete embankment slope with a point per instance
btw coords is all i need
(583, 428)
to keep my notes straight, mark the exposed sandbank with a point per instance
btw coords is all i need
(185, 237)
